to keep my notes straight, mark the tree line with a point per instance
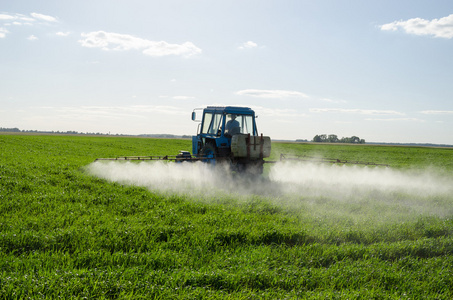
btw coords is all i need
(2, 129)
(333, 138)
(167, 136)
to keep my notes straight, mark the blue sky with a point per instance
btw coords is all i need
(380, 70)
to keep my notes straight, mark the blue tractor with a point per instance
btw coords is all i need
(225, 135)
(228, 134)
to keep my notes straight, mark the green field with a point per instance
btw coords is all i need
(300, 231)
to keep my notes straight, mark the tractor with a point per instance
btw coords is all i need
(229, 134)
(225, 135)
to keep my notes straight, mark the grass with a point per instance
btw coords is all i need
(67, 234)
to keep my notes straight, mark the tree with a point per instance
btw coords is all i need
(317, 139)
(333, 138)
(355, 139)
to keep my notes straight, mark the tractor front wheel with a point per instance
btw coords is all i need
(208, 152)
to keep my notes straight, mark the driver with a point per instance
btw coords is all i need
(232, 126)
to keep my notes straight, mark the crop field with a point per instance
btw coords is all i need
(74, 228)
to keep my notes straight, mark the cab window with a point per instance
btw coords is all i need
(235, 124)
(212, 123)
(247, 125)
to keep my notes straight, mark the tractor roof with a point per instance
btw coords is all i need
(230, 109)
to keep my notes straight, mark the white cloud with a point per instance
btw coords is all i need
(5, 17)
(123, 42)
(332, 100)
(42, 17)
(60, 33)
(3, 32)
(271, 93)
(442, 28)
(355, 111)
(278, 113)
(183, 97)
(20, 19)
(26, 19)
(32, 38)
(92, 116)
(396, 120)
(163, 48)
(437, 112)
(118, 111)
(248, 45)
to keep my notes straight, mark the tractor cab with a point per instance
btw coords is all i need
(218, 126)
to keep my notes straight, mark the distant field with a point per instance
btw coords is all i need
(73, 229)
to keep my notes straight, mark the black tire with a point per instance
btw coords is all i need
(209, 152)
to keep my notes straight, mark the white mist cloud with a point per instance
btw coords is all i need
(354, 181)
(306, 177)
(184, 178)
(32, 38)
(441, 28)
(306, 183)
(271, 93)
(123, 42)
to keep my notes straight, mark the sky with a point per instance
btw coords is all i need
(379, 70)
